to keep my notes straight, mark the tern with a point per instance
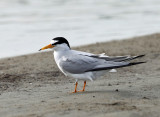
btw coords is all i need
(82, 65)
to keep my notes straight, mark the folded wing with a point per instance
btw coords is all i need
(83, 63)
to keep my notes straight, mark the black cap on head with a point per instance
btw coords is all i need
(61, 40)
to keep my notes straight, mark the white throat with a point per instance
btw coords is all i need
(60, 50)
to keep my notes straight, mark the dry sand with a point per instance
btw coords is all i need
(33, 86)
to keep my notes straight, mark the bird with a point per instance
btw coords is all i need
(83, 65)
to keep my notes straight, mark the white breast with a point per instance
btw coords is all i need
(58, 57)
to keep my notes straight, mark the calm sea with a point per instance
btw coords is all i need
(28, 25)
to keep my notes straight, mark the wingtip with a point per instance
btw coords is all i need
(141, 55)
(136, 63)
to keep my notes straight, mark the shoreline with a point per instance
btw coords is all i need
(74, 47)
(32, 85)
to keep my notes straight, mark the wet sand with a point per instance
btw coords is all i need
(33, 86)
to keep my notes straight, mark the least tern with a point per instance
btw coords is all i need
(85, 66)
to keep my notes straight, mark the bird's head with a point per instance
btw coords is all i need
(58, 43)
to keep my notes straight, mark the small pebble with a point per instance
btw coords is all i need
(145, 98)
(109, 84)
(117, 90)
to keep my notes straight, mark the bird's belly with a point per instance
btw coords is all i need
(87, 75)
(83, 76)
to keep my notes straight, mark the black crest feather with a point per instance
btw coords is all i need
(61, 40)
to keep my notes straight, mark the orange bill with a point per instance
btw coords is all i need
(46, 47)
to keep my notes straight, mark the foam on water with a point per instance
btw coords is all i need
(28, 25)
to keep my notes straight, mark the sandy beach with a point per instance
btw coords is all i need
(32, 85)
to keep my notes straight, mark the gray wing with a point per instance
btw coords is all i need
(117, 58)
(108, 58)
(80, 63)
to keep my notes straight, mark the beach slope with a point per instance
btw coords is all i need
(33, 86)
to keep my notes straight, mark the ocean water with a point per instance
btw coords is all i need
(28, 25)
